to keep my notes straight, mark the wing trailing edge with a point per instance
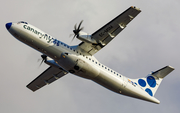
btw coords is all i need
(48, 76)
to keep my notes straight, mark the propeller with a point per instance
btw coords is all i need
(77, 29)
(43, 59)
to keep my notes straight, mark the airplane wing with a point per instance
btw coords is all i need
(48, 76)
(109, 31)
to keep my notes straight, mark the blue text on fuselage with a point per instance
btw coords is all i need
(47, 37)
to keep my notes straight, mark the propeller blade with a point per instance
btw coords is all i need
(71, 35)
(41, 63)
(80, 24)
(75, 26)
(81, 28)
(73, 38)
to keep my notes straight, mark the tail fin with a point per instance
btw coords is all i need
(151, 83)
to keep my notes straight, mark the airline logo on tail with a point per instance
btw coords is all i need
(151, 83)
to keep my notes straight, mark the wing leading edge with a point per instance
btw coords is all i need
(48, 76)
(105, 34)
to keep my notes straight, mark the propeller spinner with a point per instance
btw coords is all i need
(44, 58)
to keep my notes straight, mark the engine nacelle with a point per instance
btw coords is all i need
(51, 62)
(86, 38)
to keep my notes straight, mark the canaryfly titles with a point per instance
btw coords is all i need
(47, 37)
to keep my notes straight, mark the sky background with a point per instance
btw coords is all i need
(150, 42)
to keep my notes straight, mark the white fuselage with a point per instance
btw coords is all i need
(74, 60)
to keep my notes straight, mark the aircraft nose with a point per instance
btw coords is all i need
(8, 25)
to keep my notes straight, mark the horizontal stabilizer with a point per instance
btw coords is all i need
(161, 73)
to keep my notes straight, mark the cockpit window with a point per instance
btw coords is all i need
(22, 22)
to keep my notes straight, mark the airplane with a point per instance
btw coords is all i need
(79, 59)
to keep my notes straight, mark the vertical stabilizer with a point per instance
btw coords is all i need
(151, 83)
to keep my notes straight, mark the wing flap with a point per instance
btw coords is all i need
(48, 76)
